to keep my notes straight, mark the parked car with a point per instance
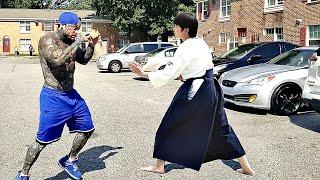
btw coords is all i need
(275, 86)
(157, 59)
(249, 54)
(311, 91)
(115, 62)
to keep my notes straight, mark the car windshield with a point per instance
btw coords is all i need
(124, 47)
(298, 57)
(153, 53)
(239, 51)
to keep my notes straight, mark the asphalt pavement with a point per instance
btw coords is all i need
(126, 113)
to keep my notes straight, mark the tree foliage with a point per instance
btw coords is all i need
(151, 18)
(28, 4)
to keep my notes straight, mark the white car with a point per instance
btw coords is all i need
(156, 60)
(115, 62)
(275, 86)
(311, 91)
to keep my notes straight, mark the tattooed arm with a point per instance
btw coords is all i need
(84, 56)
(58, 56)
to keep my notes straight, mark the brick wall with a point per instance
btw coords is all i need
(307, 12)
(109, 36)
(250, 14)
(12, 29)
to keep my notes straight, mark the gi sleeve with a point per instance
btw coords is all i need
(172, 70)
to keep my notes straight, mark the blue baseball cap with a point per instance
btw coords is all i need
(68, 18)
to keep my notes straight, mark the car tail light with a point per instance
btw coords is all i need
(314, 57)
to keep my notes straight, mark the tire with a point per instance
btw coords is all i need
(162, 67)
(115, 66)
(286, 99)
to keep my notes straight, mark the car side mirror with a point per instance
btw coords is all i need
(254, 58)
(127, 52)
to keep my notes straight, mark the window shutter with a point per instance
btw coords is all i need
(42, 27)
(52, 26)
(252, 38)
(303, 0)
(303, 36)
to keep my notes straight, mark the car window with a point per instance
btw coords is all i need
(124, 47)
(170, 52)
(153, 53)
(135, 49)
(239, 51)
(166, 45)
(293, 58)
(268, 51)
(150, 47)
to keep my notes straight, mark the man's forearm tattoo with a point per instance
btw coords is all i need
(32, 155)
(78, 142)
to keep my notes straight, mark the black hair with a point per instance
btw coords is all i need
(187, 20)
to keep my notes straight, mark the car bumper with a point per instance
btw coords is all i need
(101, 66)
(249, 96)
(311, 97)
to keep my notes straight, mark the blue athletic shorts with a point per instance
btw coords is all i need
(59, 108)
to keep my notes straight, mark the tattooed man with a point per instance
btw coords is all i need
(60, 104)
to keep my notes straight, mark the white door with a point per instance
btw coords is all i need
(131, 52)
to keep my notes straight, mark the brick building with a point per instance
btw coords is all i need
(225, 24)
(23, 27)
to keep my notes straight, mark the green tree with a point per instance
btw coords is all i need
(73, 4)
(146, 19)
(29, 4)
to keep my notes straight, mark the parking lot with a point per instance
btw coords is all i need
(127, 111)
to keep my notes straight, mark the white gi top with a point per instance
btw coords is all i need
(192, 59)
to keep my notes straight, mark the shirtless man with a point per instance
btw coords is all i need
(60, 104)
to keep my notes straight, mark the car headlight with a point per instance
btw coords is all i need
(100, 59)
(260, 81)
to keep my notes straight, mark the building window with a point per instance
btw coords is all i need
(205, 12)
(225, 9)
(314, 35)
(222, 38)
(269, 31)
(279, 34)
(25, 27)
(86, 26)
(24, 44)
(276, 32)
(274, 2)
(310, 1)
(47, 26)
(255, 38)
(234, 42)
(273, 5)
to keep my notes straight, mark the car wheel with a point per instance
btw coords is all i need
(162, 67)
(115, 66)
(286, 99)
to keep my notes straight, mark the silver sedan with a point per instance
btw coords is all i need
(275, 86)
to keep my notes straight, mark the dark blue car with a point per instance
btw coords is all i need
(248, 54)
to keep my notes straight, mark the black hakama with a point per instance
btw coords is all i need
(196, 131)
